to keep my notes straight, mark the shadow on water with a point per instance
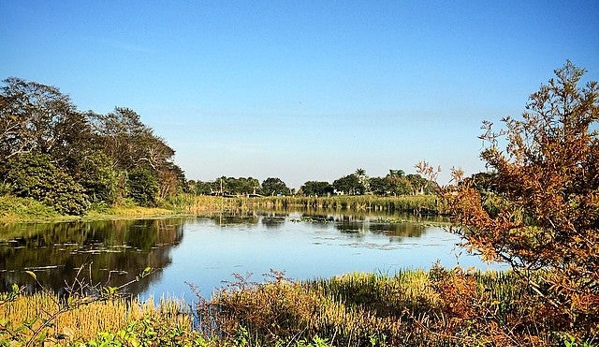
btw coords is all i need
(110, 252)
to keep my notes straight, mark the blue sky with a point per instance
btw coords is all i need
(302, 90)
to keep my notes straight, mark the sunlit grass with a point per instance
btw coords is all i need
(201, 204)
(439, 307)
(13, 210)
(28, 312)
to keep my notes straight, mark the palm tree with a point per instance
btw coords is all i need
(362, 178)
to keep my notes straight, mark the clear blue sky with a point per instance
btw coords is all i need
(302, 90)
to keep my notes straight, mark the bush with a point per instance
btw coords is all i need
(34, 176)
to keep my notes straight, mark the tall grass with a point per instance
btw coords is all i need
(82, 323)
(14, 209)
(420, 204)
(438, 307)
(412, 308)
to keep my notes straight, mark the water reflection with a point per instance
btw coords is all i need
(111, 252)
(206, 250)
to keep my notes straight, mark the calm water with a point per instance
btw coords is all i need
(208, 251)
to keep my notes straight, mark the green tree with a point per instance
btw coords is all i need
(274, 186)
(349, 184)
(143, 186)
(317, 188)
(99, 179)
(378, 186)
(34, 176)
(363, 179)
(131, 145)
(397, 183)
(419, 184)
(36, 118)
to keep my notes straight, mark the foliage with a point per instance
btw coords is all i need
(274, 186)
(421, 204)
(98, 178)
(538, 209)
(13, 208)
(316, 188)
(412, 308)
(38, 118)
(350, 185)
(143, 186)
(34, 176)
(114, 322)
(87, 155)
(439, 307)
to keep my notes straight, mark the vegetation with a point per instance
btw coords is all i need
(538, 209)
(114, 322)
(69, 160)
(421, 204)
(438, 307)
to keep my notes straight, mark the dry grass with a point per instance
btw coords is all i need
(28, 312)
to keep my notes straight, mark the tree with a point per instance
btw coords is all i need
(31, 175)
(397, 183)
(316, 188)
(131, 146)
(349, 184)
(38, 118)
(274, 186)
(418, 183)
(98, 177)
(363, 179)
(539, 209)
(143, 186)
(378, 186)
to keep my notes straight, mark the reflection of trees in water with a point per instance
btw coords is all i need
(116, 250)
(401, 230)
(235, 217)
(273, 219)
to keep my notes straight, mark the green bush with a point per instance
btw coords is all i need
(34, 176)
(143, 186)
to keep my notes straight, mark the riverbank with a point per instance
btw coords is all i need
(438, 307)
(16, 210)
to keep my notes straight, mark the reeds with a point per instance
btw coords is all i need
(26, 314)
(439, 307)
(417, 204)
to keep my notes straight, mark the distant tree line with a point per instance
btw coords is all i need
(395, 183)
(70, 159)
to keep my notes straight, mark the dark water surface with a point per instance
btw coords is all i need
(207, 251)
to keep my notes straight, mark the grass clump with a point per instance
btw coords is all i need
(116, 322)
(13, 209)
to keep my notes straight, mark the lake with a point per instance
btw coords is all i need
(206, 251)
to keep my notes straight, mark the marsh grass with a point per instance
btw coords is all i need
(439, 307)
(27, 313)
(13, 209)
(419, 204)
(18, 210)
